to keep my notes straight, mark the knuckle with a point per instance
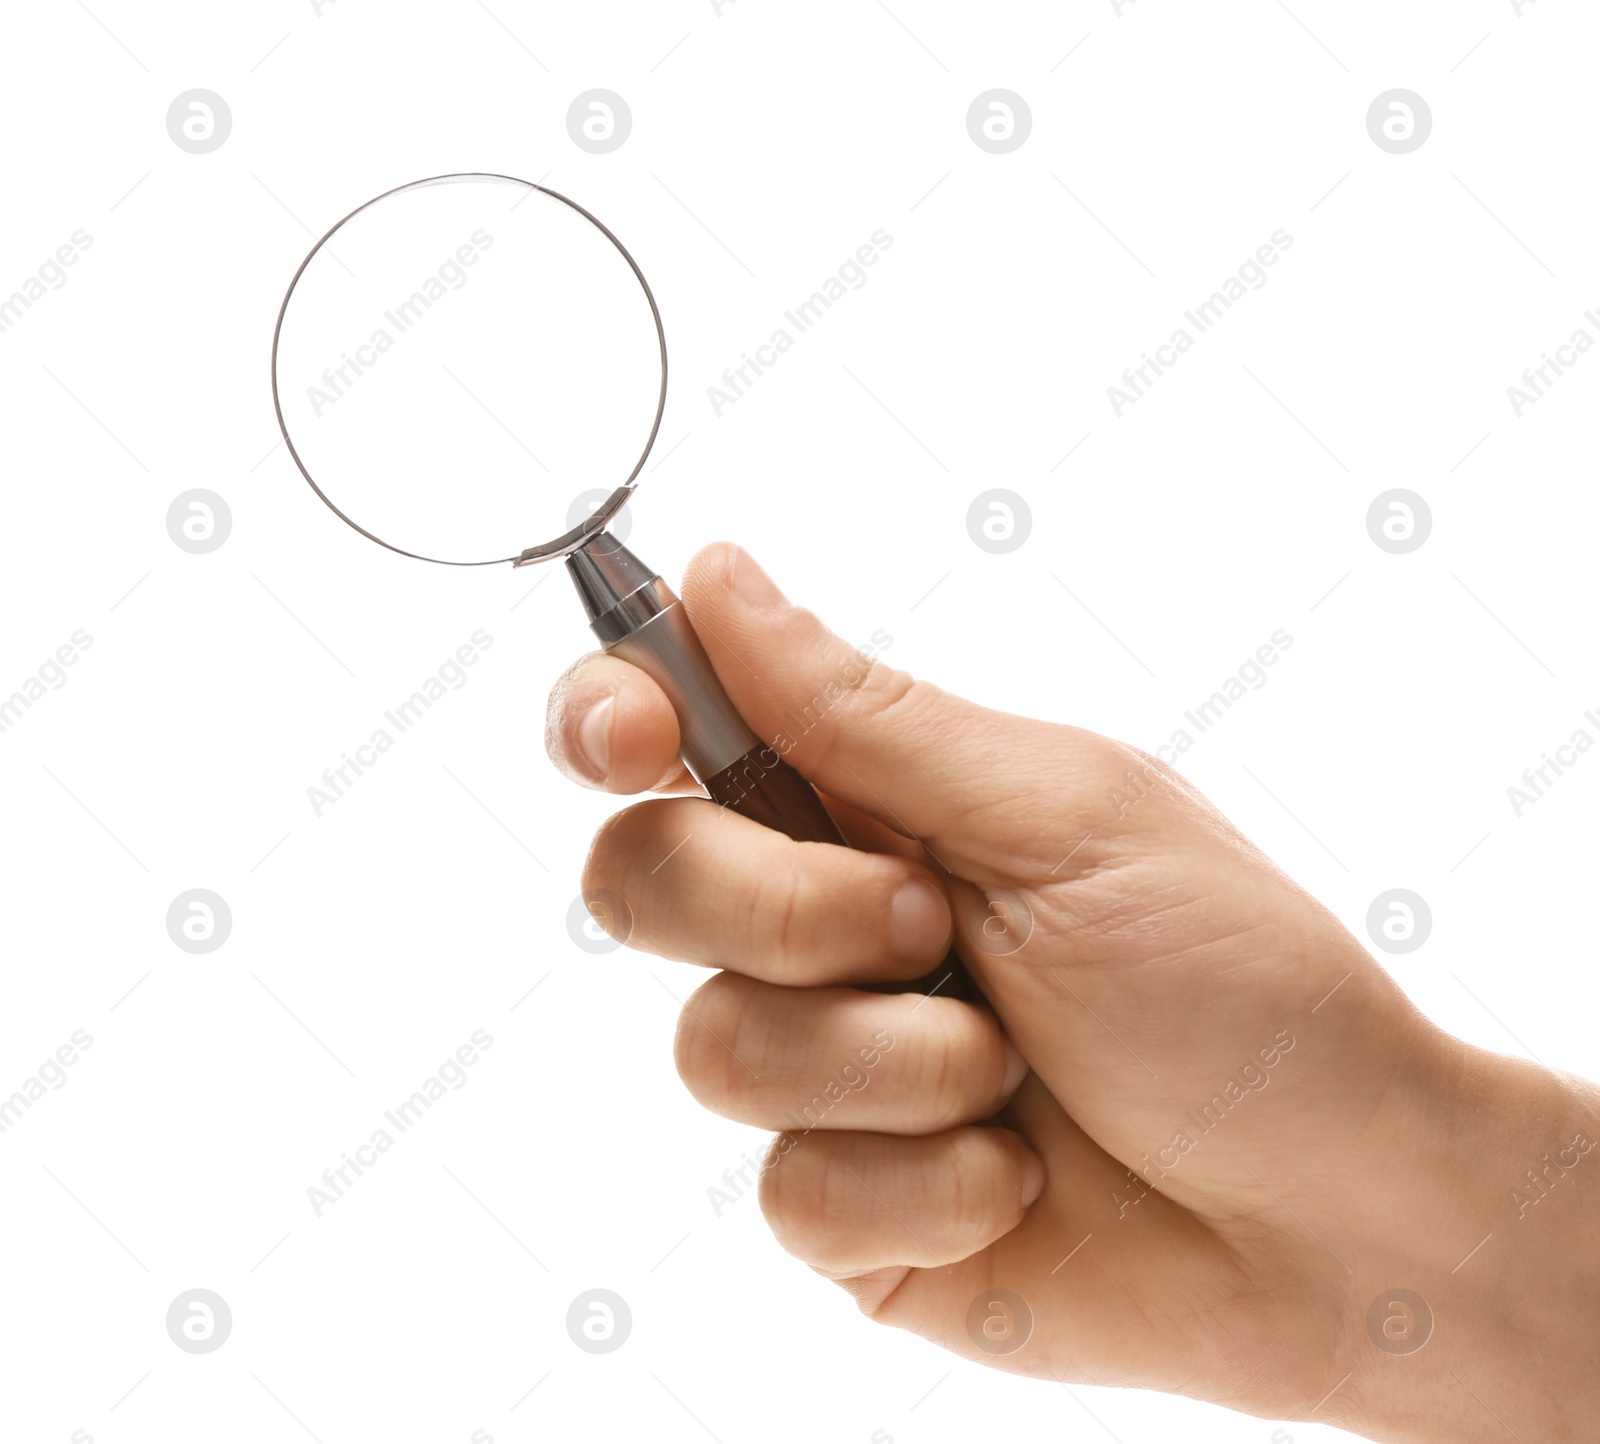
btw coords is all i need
(825, 1220)
(1101, 760)
(944, 1078)
(778, 920)
(971, 1196)
(1097, 787)
(888, 699)
(893, 693)
(858, 692)
(1130, 774)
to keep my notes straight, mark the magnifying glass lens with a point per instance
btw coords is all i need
(465, 365)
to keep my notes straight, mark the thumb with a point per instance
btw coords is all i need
(928, 764)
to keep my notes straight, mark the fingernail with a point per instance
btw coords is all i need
(1033, 1178)
(1016, 1070)
(752, 584)
(594, 738)
(919, 919)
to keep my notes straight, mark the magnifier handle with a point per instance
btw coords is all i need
(643, 622)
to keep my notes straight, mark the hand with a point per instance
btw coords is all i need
(1232, 1141)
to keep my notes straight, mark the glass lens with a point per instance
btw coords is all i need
(464, 360)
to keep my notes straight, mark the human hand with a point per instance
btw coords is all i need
(1233, 1142)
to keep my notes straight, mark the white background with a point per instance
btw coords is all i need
(367, 944)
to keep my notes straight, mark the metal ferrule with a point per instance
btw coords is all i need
(638, 617)
(632, 612)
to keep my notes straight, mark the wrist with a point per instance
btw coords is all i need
(1476, 1314)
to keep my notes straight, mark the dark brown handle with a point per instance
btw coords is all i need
(764, 788)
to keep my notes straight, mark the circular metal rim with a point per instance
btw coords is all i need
(580, 535)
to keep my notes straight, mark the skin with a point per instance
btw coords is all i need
(1194, 1127)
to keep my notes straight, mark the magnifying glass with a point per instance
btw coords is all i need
(468, 363)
